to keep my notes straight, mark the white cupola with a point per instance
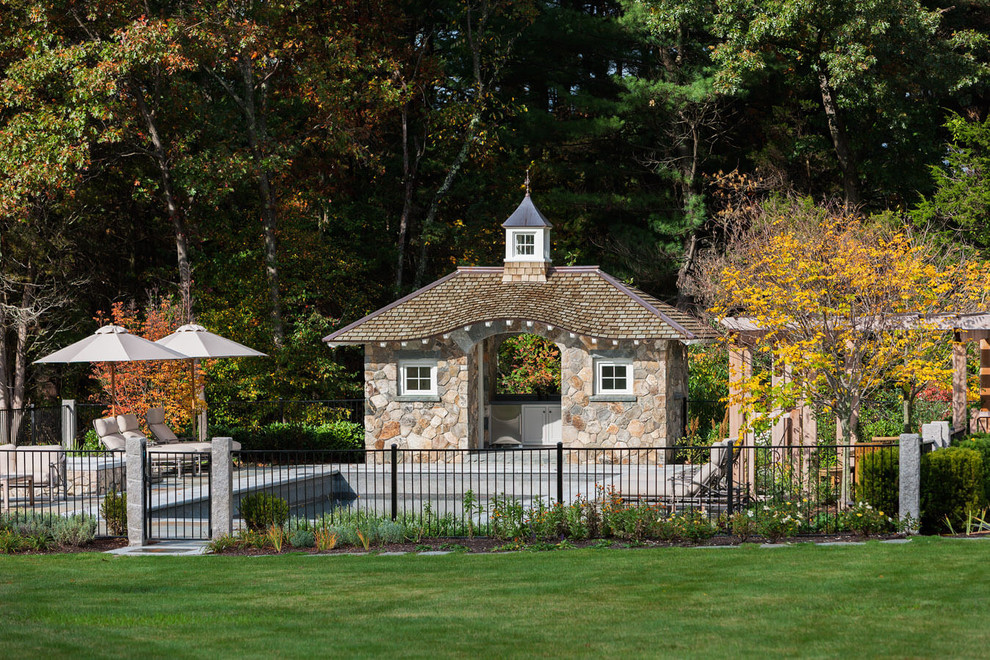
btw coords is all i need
(527, 244)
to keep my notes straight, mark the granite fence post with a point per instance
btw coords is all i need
(68, 423)
(909, 459)
(136, 493)
(221, 487)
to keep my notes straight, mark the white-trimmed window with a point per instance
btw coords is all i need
(525, 244)
(613, 376)
(417, 377)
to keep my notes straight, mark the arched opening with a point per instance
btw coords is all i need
(525, 371)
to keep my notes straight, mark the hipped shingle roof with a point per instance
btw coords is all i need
(580, 299)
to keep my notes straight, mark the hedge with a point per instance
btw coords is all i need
(879, 481)
(981, 444)
(951, 488)
(340, 436)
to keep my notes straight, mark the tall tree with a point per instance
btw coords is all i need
(877, 66)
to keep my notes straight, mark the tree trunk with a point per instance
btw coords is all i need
(430, 219)
(257, 137)
(175, 213)
(840, 139)
(408, 179)
(19, 390)
(5, 384)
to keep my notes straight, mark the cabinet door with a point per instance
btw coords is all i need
(551, 428)
(533, 418)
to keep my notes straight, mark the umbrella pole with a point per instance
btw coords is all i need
(113, 389)
(192, 396)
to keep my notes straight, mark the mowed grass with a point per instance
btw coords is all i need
(930, 597)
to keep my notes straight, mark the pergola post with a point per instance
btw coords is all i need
(958, 385)
(779, 433)
(983, 423)
(740, 368)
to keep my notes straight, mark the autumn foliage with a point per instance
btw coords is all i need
(153, 383)
(528, 364)
(846, 303)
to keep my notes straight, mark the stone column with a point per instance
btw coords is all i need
(909, 464)
(221, 488)
(958, 386)
(136, 492)
(68, 423)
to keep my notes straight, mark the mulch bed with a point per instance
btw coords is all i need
(488, 545)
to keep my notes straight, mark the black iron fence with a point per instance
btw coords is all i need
(45, 485)
(464, 492)
(31, 425)
(177, 494)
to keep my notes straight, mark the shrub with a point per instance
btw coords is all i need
(981, 444)
(879, 481)
(11, 542)
(778, 521)
(302, 538)
(951, 487)
(114, 511)
(74, 531)
(865, 519)
(336, 436)
(262, 510)
(742, 524)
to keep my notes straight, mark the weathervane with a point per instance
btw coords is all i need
(527, 182)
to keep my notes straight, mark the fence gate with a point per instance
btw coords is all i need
(177, 495)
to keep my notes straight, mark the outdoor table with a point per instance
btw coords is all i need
(8, 481)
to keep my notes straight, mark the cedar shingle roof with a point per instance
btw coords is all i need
(580, 299)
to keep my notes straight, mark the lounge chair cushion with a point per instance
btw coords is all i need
(105, 426)
(128, 426)
(109, 433)
(704, 476)
(156, 424)
(718, 452)
(8, 459)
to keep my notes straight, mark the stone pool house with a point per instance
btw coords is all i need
(430, 358)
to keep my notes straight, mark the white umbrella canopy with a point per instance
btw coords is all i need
(198, 343)
(195, 341)
(112, 343)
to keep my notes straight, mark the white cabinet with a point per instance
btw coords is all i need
(540, 423)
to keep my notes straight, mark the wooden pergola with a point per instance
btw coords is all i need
(965, 328)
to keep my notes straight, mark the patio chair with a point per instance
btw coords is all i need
(109, 434)
(155, 417)
(692, 486)
(127, 426)
(176, 454)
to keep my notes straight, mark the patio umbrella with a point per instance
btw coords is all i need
(197, 343)
(112, 344)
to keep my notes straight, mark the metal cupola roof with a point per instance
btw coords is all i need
(527, 215)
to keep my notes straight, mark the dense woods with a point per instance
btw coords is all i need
(276, 170)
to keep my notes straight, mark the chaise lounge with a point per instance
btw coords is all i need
(114, 432)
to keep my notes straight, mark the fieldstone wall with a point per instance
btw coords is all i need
(624, 422)
(651, 417)
(439, 422)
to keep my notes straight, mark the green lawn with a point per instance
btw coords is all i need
(926, 598)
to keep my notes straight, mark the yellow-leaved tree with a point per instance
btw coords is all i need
(846, 303)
